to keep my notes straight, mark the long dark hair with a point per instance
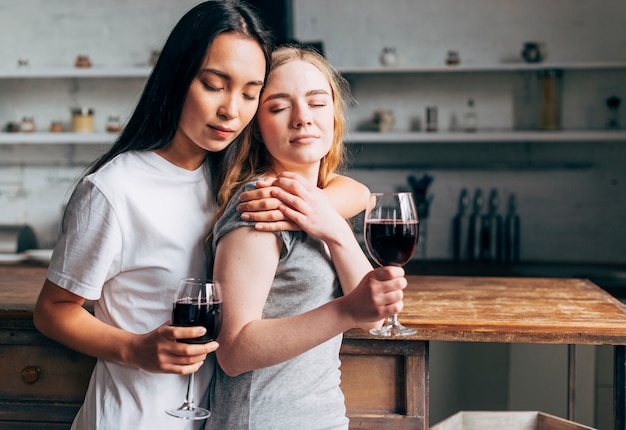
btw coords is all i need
(155, 119)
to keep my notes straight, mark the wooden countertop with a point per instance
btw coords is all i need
(449, 308)
(495, 309)
(19, 287)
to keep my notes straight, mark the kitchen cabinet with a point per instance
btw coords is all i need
(43, 383)
(44, 77)
(367, 80)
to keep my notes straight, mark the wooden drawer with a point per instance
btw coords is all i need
(42, 383)
(383, 383)
(43, 372)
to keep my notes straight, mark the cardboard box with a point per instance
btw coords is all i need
(492, 420)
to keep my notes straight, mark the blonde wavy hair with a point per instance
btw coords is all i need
(251, 160)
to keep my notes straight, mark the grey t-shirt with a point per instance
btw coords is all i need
(301, 393)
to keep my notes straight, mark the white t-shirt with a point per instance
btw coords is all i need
(132, 231)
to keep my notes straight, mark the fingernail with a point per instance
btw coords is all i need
(245, 216)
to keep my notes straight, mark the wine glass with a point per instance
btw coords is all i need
(198, 302)
(391, 231)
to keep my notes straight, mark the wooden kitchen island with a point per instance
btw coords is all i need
(385, 380)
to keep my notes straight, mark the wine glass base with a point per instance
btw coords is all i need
(187, 412)
(390, 330)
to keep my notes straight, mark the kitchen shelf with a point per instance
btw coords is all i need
(472, 68)
(486, 137)
(44, 138)
(144, 71)
(74, 72)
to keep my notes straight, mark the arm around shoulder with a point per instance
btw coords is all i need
(348, 196)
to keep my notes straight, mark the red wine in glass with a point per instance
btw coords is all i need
(193, 312)
(392, 242)
(198, 302)
(391, 232)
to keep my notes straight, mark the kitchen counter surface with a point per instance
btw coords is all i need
(19, 287)
(451, 308)
(610, 277)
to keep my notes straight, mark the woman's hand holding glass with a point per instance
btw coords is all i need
(378, 295)
(158, 352)
(198, 302)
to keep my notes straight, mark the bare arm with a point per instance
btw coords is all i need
(60, 315)
(348, 196)
(248, 342)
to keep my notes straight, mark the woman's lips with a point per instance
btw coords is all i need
(304, 138)
(221, 131)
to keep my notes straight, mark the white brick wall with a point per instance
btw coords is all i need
(567, 214)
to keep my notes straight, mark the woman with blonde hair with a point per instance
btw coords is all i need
(288, 296)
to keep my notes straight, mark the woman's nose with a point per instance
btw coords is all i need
(302, 117)
(228, 108)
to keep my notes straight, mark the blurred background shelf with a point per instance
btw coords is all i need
(486, 137)
(73, 72)
(484, 68)
(43, 138)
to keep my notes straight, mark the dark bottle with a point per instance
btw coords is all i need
(473, 242)
(460, 228)
(512, 232)
(491, 231)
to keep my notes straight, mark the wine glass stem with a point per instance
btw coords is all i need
(189, 396)
(394, 320)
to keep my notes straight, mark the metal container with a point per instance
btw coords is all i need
(17, 238)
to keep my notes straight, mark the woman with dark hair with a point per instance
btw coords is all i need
(135, 223)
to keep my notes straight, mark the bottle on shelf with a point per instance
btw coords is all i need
(551, 83)
(461, 228)
(491, 231)
(473, 242)
(512, 232)
(470, 119)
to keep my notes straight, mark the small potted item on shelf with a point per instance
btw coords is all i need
(82, 61)
(383, 120)
(534, 52)
(113, 124)
(12, 127)
(388, 56)
(56, 126)
(28, 124)
(453, 58)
